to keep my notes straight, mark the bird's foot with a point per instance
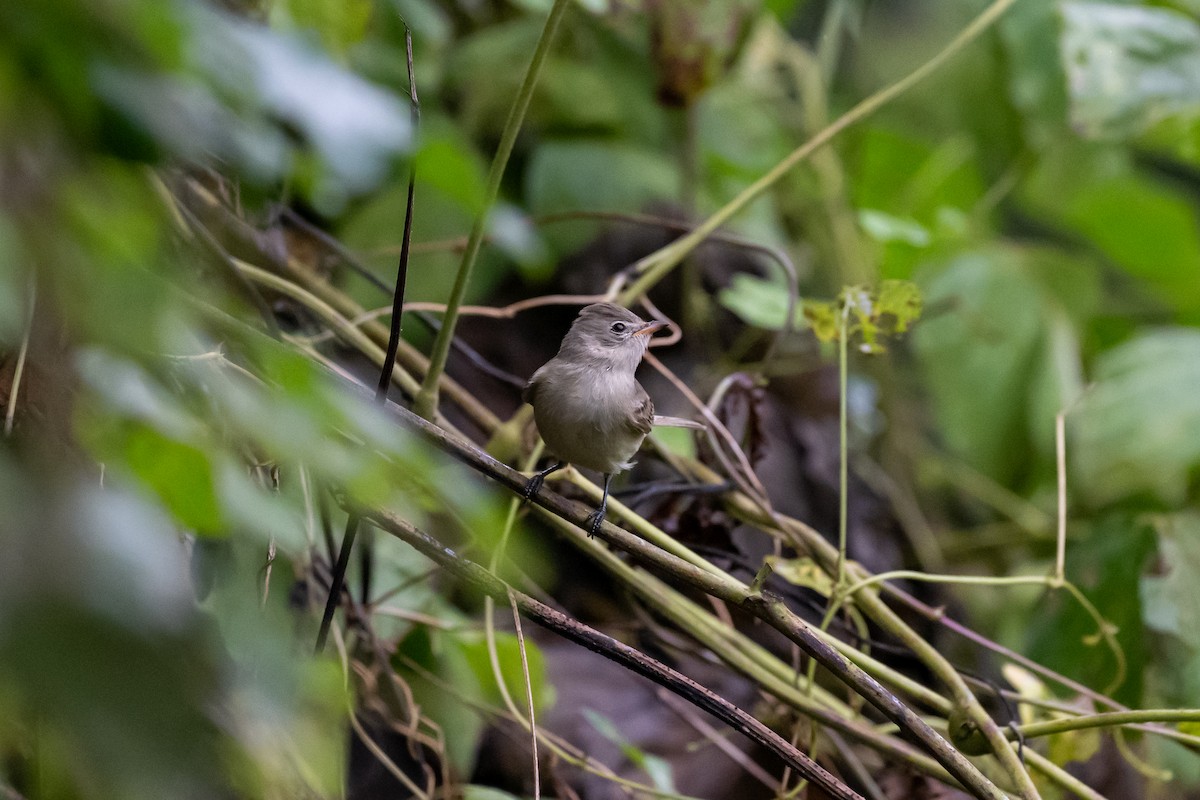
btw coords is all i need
(539, 478)
(532, 487)
(594, 521)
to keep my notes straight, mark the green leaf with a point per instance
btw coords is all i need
(439, 653)
(512, 232)
(589, 175)
(1037, 84)
(1128, 66)
(679, 441)
(1151, 229)
(1131, 433)
(339, 23)
(1170, 600)
(1105, 559)
(354, 126)
(508, 655)
(976, 356)
(1077, 746)
(180, 474)
(883, 227)
(759, 302)
(901, 301)
(804, 572)
(451, 166)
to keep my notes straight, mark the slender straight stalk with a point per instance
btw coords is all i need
(843, 444)
(1110, 719)
(1060, 457)
(426, 401)
(10, 411)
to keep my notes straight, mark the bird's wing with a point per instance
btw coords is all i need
(641, 414)
(677, 422)
(529, 393)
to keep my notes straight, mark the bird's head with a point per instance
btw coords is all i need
(610, 335)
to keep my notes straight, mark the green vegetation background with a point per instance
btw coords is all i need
(1041, 190)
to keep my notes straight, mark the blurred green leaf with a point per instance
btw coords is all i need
(760, 302)
(803, 572)
(180, 474)
(339, 23)
(440, 654)
(508, 654)
(1131, 432)
(354, 126)
(480, 70)
(912, 194)
(1074, 746)
(976, 347)
(1105, 558)
(1128, 66)
(1170, 601)
(1148, 227)
(1037, 83)
(447, 162)
(594, 176)
(183, 80)
(373, 230)
(516, 236)
(680, 441)
(883, 227)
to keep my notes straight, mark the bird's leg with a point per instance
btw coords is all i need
(597, 517)
(539, 478)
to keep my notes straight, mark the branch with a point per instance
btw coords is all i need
(613, 650)
(769, 609)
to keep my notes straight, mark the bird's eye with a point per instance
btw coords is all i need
(618, 327)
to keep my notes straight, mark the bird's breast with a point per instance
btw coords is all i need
(582, 415)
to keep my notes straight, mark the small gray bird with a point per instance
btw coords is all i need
(589, 408)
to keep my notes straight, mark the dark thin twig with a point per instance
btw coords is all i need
(633, 495)
(614, 650)
(367, 551)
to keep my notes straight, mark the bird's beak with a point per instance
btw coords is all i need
(650, 327)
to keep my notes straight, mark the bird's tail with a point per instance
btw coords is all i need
(677, 422)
